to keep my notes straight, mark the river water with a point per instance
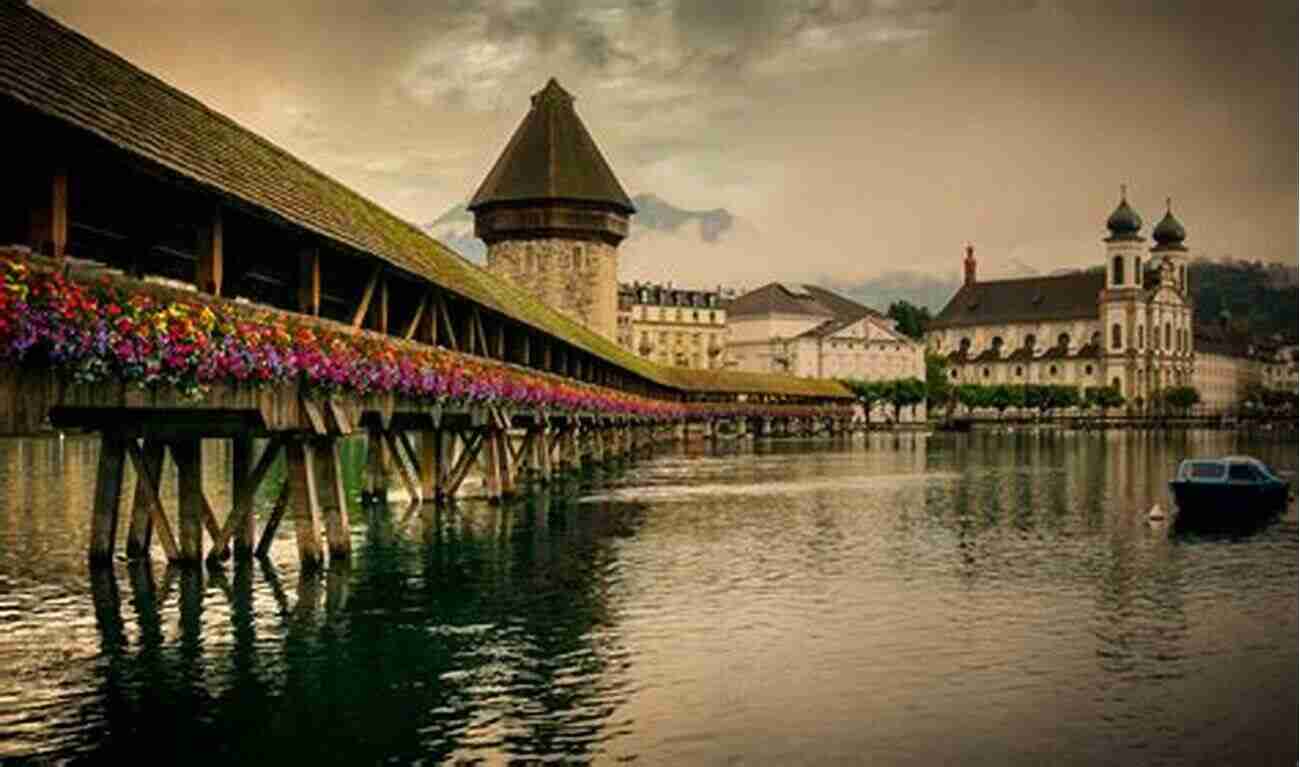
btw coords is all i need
(957, 599)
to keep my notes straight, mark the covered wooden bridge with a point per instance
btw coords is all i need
(167, 276)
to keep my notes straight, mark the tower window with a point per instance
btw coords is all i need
(1116, 336)
(1168, 335)
(1141, 336)
(1117, 275)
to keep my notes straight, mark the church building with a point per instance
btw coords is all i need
(1127, 325)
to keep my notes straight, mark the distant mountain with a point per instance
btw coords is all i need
(917, 288)
(455, 227)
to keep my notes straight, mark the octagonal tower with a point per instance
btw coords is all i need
(552, 213)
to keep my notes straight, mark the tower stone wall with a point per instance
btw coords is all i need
(577, 277)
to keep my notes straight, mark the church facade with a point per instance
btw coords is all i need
(1127, 325)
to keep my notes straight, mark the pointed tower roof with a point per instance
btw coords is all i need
(551, 156)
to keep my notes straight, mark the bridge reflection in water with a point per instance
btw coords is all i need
(506, 645)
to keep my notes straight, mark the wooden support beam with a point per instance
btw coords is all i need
(273, 521)
(187, 453)
(482, 336)
(141, 532)
(492, 464)
(243, 497)
(49, 218)
(209, 250)
(305, 503)
(148, 481)
(499, 338)
(242, 522)
(377, 462)
(413, 326)
(363, 308)
(472, 444)
(309, 281)
(526, 348)
(409, 480)
(108, 496)
(430, 463)
(381, 311)
(447, 326)
(547, 355)
(334, 505)
(509, 467)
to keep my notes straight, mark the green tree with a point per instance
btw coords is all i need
(972, 396)
(869, 393)
(906, 392)
(912, 320)
(1182, 398)
(938, 389)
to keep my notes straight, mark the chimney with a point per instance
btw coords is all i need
(969, 263)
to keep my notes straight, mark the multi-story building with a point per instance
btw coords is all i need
(673, 326)
(810, 332)
(1126, 325)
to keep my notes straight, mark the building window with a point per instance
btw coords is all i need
(1063, 340)
(953, 373)
(1051, 371)
(1117, 271)
(986, 372)
(1116, 336)
(1141, 336)
(1169, 331)
(1019, 371)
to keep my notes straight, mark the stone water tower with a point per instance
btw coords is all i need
(552, 214)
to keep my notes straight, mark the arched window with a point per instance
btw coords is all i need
(1116, 336)
(1063, 340)
(954, 373)
(1030, 340)
(965, 344)
(1051, 371)
(1019, 371)
(1141, 336)
(1169, 335)
(1117, 271)
(1114, 383)
(1087, 370)
(997, 344)
(1137, 270)
(986, 372)
(1096, 338)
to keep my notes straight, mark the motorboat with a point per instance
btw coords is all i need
(1226, 490)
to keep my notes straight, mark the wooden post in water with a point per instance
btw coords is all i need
(492, 463)
(305, 502)
(187, 453)
(243, 493)
(542, 452)
(140, 535)
(334, 504)
(430, 463)
(108, 495)
(376, 466)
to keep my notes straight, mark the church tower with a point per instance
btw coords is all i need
(552, 214)
(1122, 306)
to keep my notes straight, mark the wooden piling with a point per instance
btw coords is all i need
(305, 503)
(430, 463)
(187, 453)
(334, 503)
(140, 535)
(377, 459)
(108, 495)
(243, 495)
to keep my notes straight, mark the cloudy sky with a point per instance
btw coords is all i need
(854, 138)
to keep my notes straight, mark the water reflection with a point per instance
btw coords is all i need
(916, 600)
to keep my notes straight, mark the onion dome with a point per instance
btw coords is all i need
(1169, 233)
(1124, 223)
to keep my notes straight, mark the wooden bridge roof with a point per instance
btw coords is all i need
(64, 75)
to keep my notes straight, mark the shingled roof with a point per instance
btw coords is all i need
(551, 156)
(57, 72)
(789, 298)
(1034, 299)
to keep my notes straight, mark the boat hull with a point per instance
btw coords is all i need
(1226, 503)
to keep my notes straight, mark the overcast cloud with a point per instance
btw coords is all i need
(854, 137)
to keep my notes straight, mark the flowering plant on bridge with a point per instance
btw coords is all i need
(109, 332)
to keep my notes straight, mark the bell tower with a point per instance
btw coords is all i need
(1121, 306)
(552, 214)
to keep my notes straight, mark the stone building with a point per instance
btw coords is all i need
(672, 326)
(552, 213)
(810, 332)
(1228, 364)
(1126, 325)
